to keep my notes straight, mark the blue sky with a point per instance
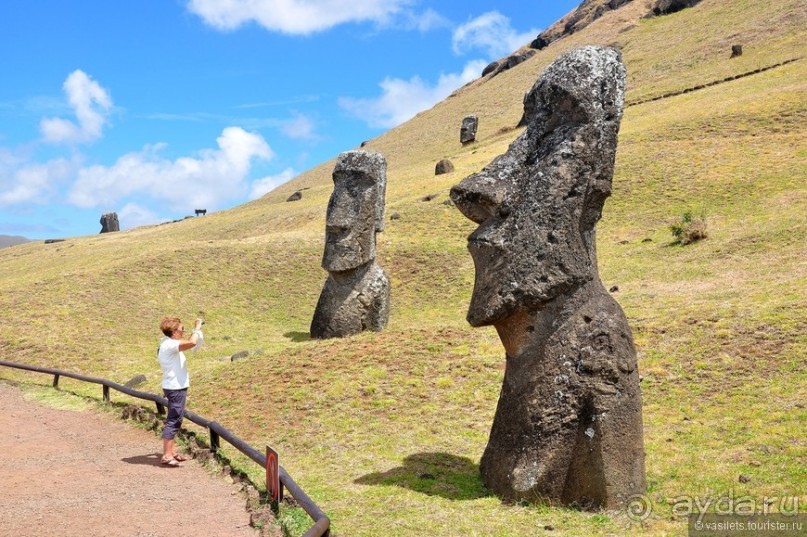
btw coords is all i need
(153, 108)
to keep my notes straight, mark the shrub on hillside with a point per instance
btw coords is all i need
(689, 228)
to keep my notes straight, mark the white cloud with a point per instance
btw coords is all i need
(24, 182)
(491, 32)
(133, 215)
(298, 127)
(402, 99)
(301, 17)
(267, 184)
(187, 183)
(423, 22)
(91, 104)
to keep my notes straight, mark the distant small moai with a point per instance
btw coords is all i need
(568, 424)
(355, 296)
(109, 222)
(736, 50)
(468, 129)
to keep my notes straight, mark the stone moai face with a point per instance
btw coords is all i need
(355, 210)
(537, 205)
(568, 424)
(468, 129)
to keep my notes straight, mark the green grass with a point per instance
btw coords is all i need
(385, 431)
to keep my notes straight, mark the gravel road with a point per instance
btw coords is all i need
(85, 474)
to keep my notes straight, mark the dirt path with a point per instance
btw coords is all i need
(85, 474)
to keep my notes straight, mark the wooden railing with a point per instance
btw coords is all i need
(322, 523)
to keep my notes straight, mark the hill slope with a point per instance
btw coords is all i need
(11, 240)
(385, 430)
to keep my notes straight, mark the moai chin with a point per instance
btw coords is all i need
(568, 424)
(355, 297)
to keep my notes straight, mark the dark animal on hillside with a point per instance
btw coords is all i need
(201, 211)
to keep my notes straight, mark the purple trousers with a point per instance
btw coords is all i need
(176, 411)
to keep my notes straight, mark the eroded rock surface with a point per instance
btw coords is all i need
(568, 425)
(356, 294)
(468, 129)
(109, 222)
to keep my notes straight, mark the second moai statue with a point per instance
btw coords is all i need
(568, 424)
(468, 129)
(355, 297)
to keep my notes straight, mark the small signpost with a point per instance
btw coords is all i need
(273, 487)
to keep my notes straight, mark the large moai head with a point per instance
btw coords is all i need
(355, 210)
(537, 205)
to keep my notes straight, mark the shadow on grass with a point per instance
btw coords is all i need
(298, 337)
(434, 474)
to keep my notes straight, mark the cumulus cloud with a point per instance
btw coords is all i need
(300, 17)
(26, 182)
(402, 99)
(91, 104)
(268, 183)
(184, 184)
(134, 215)
(492, 33)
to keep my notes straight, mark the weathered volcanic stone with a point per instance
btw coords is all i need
(568, 425)
(498, 67)
(356, 294)
(468, 129)
(665, 7)
(444, 166)
(587, 12)
(109, 222)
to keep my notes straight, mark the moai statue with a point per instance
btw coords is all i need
(468, 129)
(356, 294)
(568, 425)
(109, 222)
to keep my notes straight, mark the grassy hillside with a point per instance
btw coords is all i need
(385, 430)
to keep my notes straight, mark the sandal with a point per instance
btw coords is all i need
(172, 462)
(180, 457)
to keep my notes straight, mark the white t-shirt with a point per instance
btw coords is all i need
(172, 362)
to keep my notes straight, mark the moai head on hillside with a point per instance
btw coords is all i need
(109, 222)
(537, 205)
(355, 210)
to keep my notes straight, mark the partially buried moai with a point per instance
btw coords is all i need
(356, 294)
(109, 222)
(568, 425)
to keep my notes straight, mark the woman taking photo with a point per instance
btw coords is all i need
(175, 381)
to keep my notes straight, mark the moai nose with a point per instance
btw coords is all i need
(478, 197)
